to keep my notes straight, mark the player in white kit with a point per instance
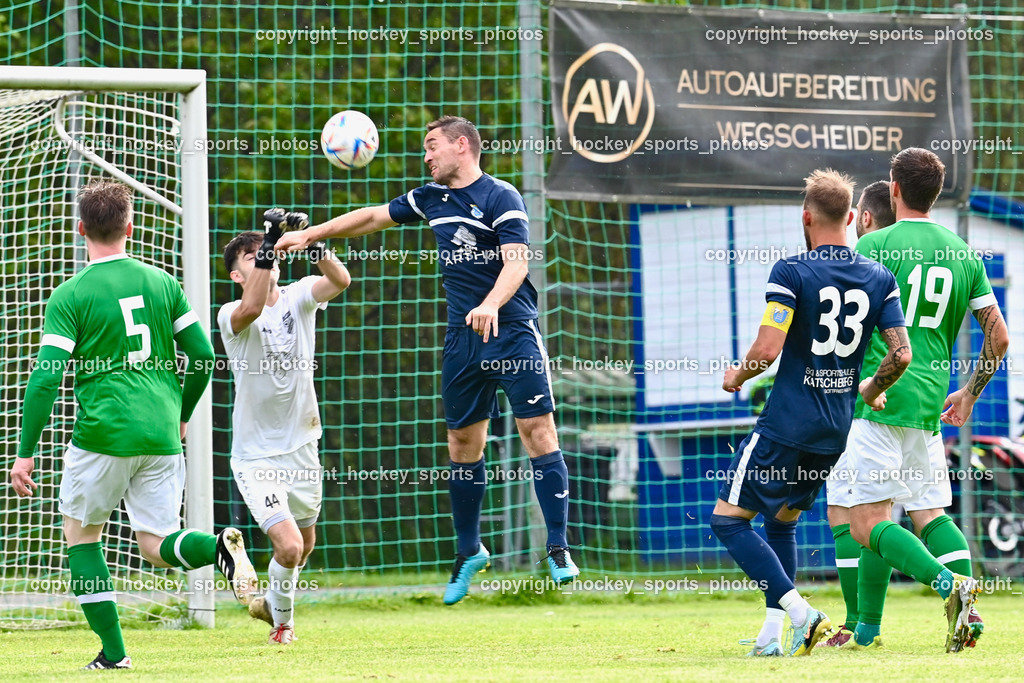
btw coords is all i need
(269, 338)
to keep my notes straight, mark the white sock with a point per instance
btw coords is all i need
(281, 592)
(796, 607)
(772, 627)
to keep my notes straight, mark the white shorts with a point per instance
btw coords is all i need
(280, 487)
(884, 462)
(93, 485)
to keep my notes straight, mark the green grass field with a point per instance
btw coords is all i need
(528, 637)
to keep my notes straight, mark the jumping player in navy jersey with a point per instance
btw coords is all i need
(493, 340)
(822, 308)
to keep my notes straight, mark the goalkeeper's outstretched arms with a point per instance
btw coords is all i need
(39, 397)
(363, 221)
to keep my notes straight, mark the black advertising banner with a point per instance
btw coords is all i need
(668, 104)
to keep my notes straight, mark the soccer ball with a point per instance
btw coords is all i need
(349, 140)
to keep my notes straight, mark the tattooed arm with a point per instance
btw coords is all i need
(872, 390)
(960, 403)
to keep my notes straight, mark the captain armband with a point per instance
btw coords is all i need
(779, 316)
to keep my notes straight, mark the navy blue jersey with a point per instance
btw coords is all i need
(839, 298)
(470, 224)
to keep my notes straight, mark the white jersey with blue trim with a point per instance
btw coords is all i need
(470, 224)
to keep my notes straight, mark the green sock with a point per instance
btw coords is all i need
(91, 584)
(847, 558)
(904, 551)
(189, 548)
(872, 586)
(946, 542)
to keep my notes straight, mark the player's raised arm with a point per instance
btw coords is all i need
(336, 277)
(364, 221)
(258, 278)
(959, 405)
(892, 367)
(484, 318)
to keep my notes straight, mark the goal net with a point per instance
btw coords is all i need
(60, 127)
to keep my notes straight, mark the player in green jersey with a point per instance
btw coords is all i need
(897, 454)
(117, 322)
(874, 212)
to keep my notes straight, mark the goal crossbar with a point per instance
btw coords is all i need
(100, 78)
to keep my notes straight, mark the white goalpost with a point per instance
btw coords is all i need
(60, 126)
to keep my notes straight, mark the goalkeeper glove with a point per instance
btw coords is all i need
(272, 221)
(317, 252)
(296, 220)
(314, 252)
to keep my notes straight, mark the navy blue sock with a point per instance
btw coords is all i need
(466, 488)
(551, 482)
(753, 555)
(782, 541)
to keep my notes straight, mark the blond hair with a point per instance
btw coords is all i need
(829, 195)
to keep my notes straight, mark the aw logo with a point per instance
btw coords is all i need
(605, 114)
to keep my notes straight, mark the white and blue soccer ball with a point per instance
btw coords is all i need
(349, 140)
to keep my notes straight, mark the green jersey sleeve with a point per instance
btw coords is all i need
(181, 310)
(60, 336)
(43, 385)
(60, 322)
(980, 289)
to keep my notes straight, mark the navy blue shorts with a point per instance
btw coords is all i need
(765, 475)
(472, 371)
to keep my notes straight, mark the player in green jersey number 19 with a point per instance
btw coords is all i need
(897, 454)
(117, 321)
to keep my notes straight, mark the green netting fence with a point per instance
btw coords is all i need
(277, 71)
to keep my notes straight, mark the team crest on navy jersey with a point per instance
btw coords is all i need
(464, 238)
(475, 211)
